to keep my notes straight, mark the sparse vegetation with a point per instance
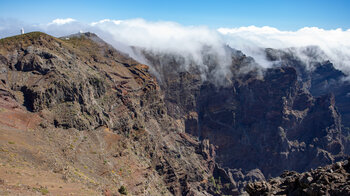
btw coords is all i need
(212, 180)
(122, 190)
(216, 183)
(42, 190)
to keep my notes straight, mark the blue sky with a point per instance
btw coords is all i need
(282, 14)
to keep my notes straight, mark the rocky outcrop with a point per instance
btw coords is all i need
(329, 180)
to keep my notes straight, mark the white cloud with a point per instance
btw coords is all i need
(106, 21)
(62, 21)
(173, 37)
(168, 36)
(335, 42)
(188, 40)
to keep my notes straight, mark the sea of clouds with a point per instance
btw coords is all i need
(188, 41)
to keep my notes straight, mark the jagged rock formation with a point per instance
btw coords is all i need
(320, 77)
(329, 180)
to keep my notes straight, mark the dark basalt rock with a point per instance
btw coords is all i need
(262, 111)
(328, 180)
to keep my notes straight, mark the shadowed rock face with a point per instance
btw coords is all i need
(270, 124)
(271, 121)
(326, 79)
(319, 78)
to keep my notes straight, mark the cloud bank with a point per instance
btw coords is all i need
(189, 40)
(334, 43)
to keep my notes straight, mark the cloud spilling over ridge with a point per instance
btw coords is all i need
(334, 43)
(189, 40)
(162, 36)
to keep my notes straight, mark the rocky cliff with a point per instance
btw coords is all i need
(262, 121)
(92, 121)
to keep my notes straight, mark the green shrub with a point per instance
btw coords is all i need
(122, 190)
(44, 191)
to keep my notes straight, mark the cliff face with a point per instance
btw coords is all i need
(261, 122)
(320, 77)
(270, 124)
(93, 120)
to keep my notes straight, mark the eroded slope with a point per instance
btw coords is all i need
(90, 119)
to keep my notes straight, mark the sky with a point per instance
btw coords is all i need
(282, 14)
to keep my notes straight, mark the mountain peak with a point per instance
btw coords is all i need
(25, 40)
